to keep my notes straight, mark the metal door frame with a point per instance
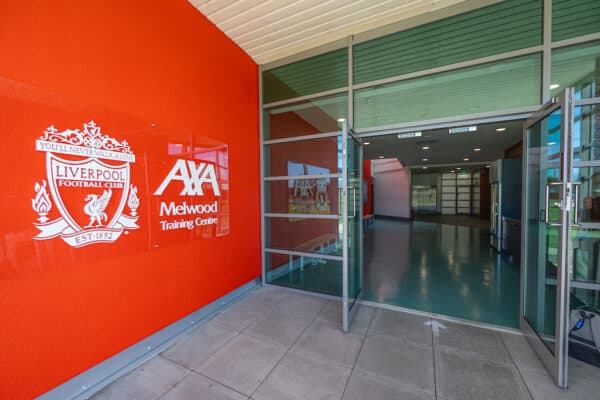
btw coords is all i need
(349, 310)
(557, 363)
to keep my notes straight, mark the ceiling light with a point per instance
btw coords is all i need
(409, 135)
(424, 167)
(477, 149)
(551, 143)
(463, 129)
(488, 166)
(465, 159)
(500, 129)
(554, 86)
(452, 171)
(380, 156)
(425, 159)
(366, 143)
(458, 168)
(425, 147)
(341, 119)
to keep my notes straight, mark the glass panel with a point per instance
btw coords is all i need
(302, 196)
(317, 156)
(586, 133)
(507, 26)
(496, 86)
(354, 220)
(304, 273)
(541, 239)
(305, 118)
(577, 66)
(313, 75)
(322, 236)
(571, 18)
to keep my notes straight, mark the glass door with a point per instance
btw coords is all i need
(546, 226)
(352, 277)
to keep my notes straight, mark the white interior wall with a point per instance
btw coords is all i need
(391, 188)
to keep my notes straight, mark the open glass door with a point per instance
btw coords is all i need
(352, 277)
(546, 229)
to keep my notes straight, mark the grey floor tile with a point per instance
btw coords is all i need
(542, 387)
(476, 342)
(400, 325)
(147, 382)
(298, 377)
(302, 306)
(332, 313)
(409, 363)
(364, 386)
(197, 387)
(521, 351)
(461, 377)
(240, 315)
(243, 363)
(325, 341)
(278, 327)
(195, 348)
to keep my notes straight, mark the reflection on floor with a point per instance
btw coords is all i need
(462, 220)
(277, 345)
(323, 276)
(444, 269)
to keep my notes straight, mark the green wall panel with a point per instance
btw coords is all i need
(572, 18)
(499, 28)
(316, 74)
(495, 86)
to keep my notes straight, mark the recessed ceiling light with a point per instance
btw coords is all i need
(488, 166)
(366, 143)
(465, 159)
(551, 143)
(380, 156)
(425, 159)
(425, 147)
(424, 167)
(477, 149)
(500, 129)
(409, 135)
(463, 129)
(341, 119)
(452, 171)
(458, 168)
(554, 86)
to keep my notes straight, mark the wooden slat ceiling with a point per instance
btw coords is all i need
(270, 30)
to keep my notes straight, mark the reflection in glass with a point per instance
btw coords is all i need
(541, 238)
(577, 66)
(305, 118)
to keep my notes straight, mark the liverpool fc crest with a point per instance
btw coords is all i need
(88, 183)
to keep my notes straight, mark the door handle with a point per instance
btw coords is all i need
(547, 204)
(576, 186)
(354, 202)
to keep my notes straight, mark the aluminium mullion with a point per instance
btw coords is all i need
(292, 177)
(300, 99)
(303, 254)
(587, 102)
(576, 40)
(302, 138)
(305, 216)
(261, 134)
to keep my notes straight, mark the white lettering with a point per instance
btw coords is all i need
(193, 176)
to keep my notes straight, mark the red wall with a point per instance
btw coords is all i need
(368, 182)
(127, 65)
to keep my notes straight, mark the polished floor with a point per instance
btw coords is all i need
(441, 268)
(278, 345)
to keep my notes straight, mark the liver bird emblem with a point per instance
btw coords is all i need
(95, 206)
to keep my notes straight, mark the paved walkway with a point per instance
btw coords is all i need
(278, 345)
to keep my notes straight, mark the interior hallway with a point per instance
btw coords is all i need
(443, 269)
(279, 345)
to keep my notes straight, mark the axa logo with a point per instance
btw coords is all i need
(192, 176)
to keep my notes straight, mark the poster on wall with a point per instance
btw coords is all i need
(308, 195)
